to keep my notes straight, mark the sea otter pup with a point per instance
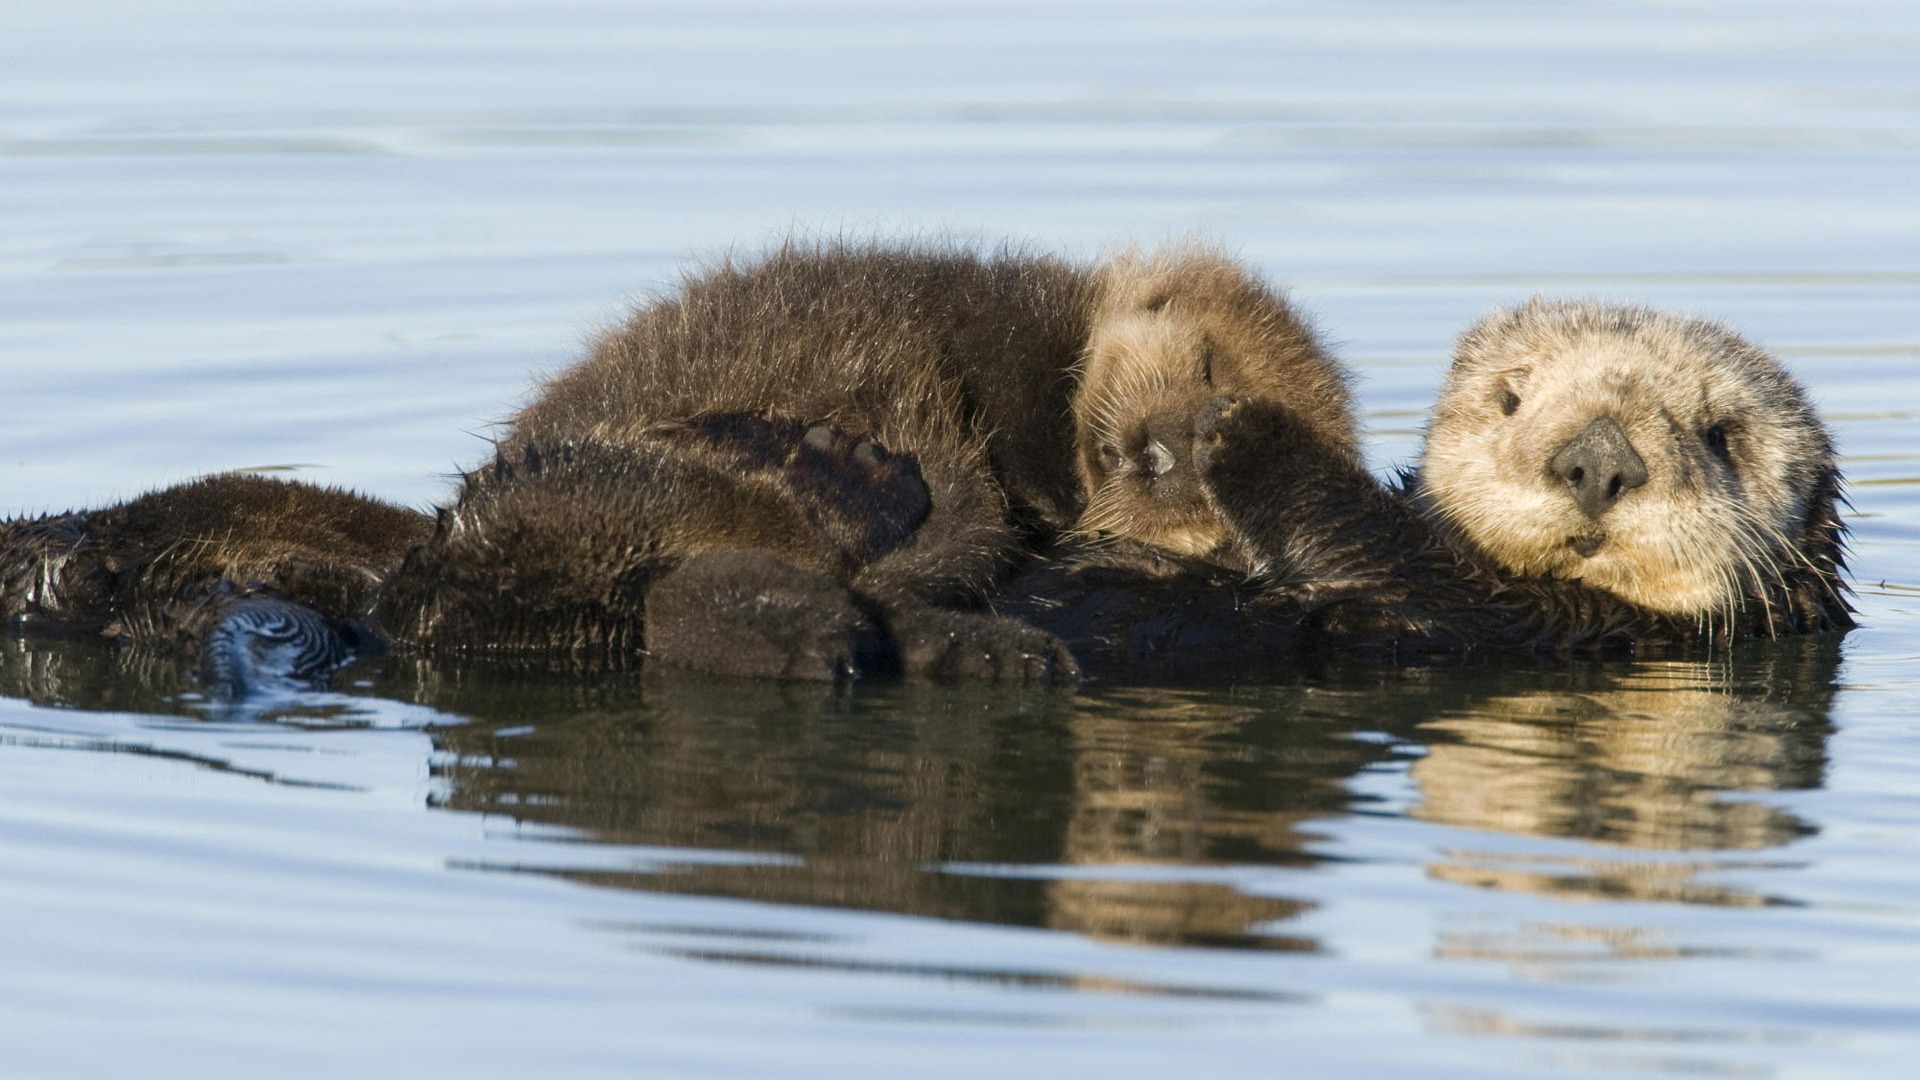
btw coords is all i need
(970, 364)
(1596, 479)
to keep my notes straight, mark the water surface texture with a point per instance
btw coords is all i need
(340, 239)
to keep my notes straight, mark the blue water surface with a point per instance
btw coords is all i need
(342, 239)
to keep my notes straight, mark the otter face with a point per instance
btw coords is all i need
(1170, 333)
(1661, 458)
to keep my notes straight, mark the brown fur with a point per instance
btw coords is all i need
(1021, 393)
(158, 569)
(963, 361)
(972, 365)
(1170, 331)
(561, 547)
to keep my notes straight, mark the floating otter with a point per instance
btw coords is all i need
(969, 364)
(1596, 479)
(656, 495)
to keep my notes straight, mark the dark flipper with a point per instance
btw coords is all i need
(264, 644)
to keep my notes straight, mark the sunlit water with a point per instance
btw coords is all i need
(342, 237)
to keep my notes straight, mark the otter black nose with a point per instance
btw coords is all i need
(1599, 465)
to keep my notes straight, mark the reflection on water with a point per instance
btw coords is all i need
(1645, 760)
(1119, 814)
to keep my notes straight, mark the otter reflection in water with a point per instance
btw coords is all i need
(1142, 815)
(1642, 761)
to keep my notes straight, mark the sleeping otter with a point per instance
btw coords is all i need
(1169, 332)
(969, 364)
(1596, 479)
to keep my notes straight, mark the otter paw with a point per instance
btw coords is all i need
(964, 646)
(864, 496)
(749, 614)
(1257, 437)
(1213, 428)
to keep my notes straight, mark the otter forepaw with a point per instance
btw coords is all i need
(1211, 421)
(1254, 438)
(962, 646)
(1221, 425)
(747, 613)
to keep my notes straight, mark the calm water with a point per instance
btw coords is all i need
(340, 238)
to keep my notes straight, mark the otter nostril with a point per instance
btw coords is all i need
(1159, 461)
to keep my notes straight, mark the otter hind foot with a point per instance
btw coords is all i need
(964, 646)
(748, 614)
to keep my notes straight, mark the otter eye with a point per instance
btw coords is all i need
(1509, 403)
(1111, 459)
(1206, 366)
(1716, 440)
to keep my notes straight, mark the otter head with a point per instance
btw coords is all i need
(1661, 458)
(1170, 331)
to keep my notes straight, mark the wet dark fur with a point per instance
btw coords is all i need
(1346, 569)
(960, 359)
(164, 568)
(969, 364)
(674, 469)
(958, 363)
(724, 544)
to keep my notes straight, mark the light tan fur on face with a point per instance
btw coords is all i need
(1704, 530)
(1170, 331)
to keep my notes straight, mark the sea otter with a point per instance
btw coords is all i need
(1685, 472)
(1036, 397)
(1595, 479)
